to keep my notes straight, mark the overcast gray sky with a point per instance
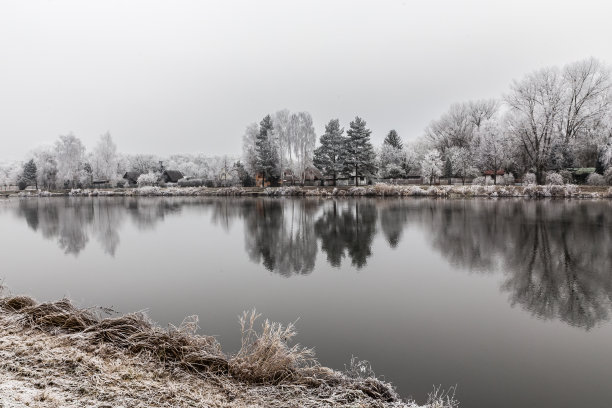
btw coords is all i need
(188, 76)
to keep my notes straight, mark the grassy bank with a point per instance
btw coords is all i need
(377, 190)
(57, 355)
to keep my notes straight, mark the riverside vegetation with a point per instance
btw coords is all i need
(376, 190)
(57, 355)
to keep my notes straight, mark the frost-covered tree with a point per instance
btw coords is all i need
(392, 139)
(30, 173)
(360, 157)
(328, 157)
(456, 127)
(142, 163)
(249, 157)
(70, 154)
(587, 100)
(392, 162)
(283, 137)
(536, 104)
(10, 173)
(104, 158)
(431, 165)
(303, 142)
(46, 163)
(462, 162)
(492, 147)
(265, 151)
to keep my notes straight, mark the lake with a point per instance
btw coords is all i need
(508, 299)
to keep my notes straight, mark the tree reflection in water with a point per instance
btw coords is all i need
(555, 255)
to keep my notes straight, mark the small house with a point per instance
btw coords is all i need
(131, 177)
(580, 174)
(100, 183)
(171, 176)
(312, 176)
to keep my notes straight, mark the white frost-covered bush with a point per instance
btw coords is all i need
(147, 179)
(508, 179)
(608, 176)
(595, 179)
(554, 179)
(482, 181)
(529, 178)
(192, 182)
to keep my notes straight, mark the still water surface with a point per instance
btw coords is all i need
(510, 299)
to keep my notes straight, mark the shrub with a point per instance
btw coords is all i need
(508, 179)
(529, 178)
(482, 181)
(148, 179)
(554, 179)
(265, 357)
(568, 177)
(120, 183)
(22, 184)
(596, 179)
(608, 176)
(191, 182)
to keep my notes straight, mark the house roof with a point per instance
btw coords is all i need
(317, 173)
(131, 175)
(173, 175)
(490, 172)
(582, 170)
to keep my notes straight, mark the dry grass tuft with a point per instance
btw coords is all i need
(266, 358)
(176, 347)
(16, 303)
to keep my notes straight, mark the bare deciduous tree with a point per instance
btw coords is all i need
(536, 103)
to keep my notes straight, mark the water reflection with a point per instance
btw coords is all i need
(555, 255)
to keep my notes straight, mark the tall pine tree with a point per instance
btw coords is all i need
(30, 173)
(329, 156)
(394, 140)
(360, 157)
(265, 151)
(448, 170)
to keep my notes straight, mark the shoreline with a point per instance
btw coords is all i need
(377, 190)
(57, 355)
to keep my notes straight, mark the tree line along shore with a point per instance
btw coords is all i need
(553, 126)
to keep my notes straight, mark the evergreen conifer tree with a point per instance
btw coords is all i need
(394, 140)
(265, 151)
(360, 157)
(448, 169)
(329, 156)
(30, 173)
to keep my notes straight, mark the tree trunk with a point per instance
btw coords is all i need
(540, 175)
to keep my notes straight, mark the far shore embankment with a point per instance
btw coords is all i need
(376, 190)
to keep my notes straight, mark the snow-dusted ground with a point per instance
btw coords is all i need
(48, 359)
